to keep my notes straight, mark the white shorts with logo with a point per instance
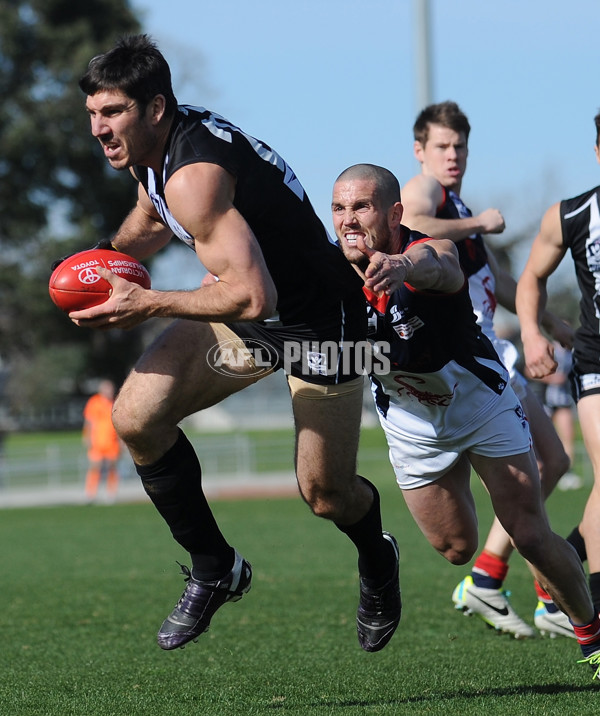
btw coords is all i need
(502, 431)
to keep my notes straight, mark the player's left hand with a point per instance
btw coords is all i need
(385, 273)
(127, 306)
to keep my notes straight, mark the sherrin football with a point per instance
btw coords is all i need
(75, 284)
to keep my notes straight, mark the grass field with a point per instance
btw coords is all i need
(84, 590)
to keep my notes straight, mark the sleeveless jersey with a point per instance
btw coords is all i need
(482, 284)
(305, 264)
(580, 224)
(444, 373)
(473, 258)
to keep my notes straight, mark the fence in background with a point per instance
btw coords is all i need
(43, 474)
(234, 459)
(235, 462)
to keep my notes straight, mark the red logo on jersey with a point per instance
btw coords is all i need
(424, 397)
(490, 303)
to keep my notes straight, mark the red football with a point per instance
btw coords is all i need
(75, 284)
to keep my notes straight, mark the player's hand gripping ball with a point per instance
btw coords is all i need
(75, 284)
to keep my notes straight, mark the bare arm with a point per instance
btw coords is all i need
(428, 265)
(142, 233)
(506, 292)
(225, 245)
(200, 197)
(545, 255)
(421, 197)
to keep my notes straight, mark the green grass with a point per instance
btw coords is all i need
(84, 590)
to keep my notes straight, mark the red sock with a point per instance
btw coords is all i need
(543, 595)
(588, 635)
(489, 570)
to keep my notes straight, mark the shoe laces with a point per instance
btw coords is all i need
(375, 601)
(213, 586)
(185, 570)
(378, 599)
(594, 661)
(187, 575)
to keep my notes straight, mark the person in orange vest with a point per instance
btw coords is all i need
(101, 440)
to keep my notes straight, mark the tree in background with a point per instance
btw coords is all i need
(57, 195)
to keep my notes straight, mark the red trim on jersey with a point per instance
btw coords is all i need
(379, 302)
(444, 200)
(419, 241)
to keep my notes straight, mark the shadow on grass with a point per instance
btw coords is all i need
(547, 689)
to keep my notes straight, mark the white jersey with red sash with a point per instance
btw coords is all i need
(445, 381)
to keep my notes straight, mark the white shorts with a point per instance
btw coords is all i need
(509, 356)
(420, 462)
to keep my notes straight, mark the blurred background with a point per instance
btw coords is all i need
(327, 84)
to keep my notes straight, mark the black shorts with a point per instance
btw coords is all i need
(585, 380)
(327, 350)
(585, 370)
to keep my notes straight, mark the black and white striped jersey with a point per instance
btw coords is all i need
(580, 224)
(305, 264)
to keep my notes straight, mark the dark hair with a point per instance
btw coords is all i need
(597, 123)
(447, 114)
(134, 66)
(387, 187)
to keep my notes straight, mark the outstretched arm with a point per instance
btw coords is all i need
(427, 265)
(421, 198)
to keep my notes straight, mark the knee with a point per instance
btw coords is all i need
(341, 497)
(131, 424)
(457, 543)
(121, 418)
(459, 557)
(456, 548)
(323, 503)
(458, 553)
(335, 502)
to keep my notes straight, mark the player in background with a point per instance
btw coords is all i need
(433, 205)
(560, 406)
(236, 202)
(101, 441)
(445, 403)
(571, 225)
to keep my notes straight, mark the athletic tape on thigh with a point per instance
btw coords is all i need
(314, 391)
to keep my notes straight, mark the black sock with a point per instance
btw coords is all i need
(576, 540)
(174, 484)
(594, 580)
(376, 559)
